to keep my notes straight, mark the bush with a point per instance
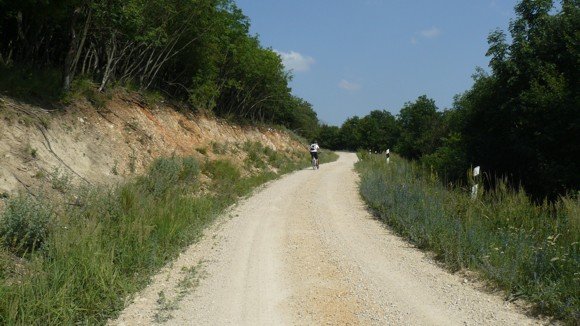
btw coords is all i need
(222, 172)
(24, 225)
(166, 173)
(362, 154)
(61, 181)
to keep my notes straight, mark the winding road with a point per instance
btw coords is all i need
(303, 250)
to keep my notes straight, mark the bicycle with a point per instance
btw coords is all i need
(315, 163)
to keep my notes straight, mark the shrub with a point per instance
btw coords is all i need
(166, 173)
(219, 148)
(60, 181)
(222, 171)
(24, 225)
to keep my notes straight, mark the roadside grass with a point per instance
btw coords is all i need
(530, 251)
(327, 156)
(63, 264)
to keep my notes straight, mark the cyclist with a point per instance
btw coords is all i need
(314, 148)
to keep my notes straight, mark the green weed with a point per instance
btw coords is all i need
(115, 168)
(60, 180)
(219, 148)
(83, 87)
(31, 151)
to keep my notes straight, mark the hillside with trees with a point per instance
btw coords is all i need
(520, 120)
(197, 51)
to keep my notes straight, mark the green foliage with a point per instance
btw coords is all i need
(30, 83)
(420, 128)
(379, 131)
(219, 148)
(361, 154)
(448, 160)
(85, 88)
(350, 134)
(529, 250)
(30, 151)
(60, 180)
(169, 173)
(522, 120)
(222, 172)
(255, 152)
(24, 225)
(329, 137)
(327, 157)
(198, 51)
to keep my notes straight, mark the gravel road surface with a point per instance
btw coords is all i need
(303, 250)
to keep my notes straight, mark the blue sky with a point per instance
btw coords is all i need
(349, 57)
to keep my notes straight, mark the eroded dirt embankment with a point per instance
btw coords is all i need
(82, 144)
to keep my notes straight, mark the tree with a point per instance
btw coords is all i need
(329, 137)
(379, 131)
(350, 134)
(523, 119)
(420, 128)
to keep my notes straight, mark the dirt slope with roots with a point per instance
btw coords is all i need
(41, 151)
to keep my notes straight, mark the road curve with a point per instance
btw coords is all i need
(303, 250)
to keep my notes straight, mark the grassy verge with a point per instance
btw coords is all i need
(76, 262)
(328, 156)
(530, 251)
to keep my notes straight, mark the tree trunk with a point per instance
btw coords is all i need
(110, 59)
(82, 43)
(70, 55)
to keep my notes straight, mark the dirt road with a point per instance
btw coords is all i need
(304, 251)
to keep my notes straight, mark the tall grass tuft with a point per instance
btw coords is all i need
(531, 251)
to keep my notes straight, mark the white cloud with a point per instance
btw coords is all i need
(349, 86)
(431, 32)
(295, 61)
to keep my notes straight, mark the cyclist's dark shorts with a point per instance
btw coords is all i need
(314, 154)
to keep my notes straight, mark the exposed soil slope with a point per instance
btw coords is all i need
(89, 145)
(305, 251)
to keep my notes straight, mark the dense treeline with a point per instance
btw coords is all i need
(521, 120)
(195, 50)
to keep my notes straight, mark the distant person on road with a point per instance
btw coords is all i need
(314, 148)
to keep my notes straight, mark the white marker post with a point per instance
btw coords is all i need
(388, 154)
(475, 187)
